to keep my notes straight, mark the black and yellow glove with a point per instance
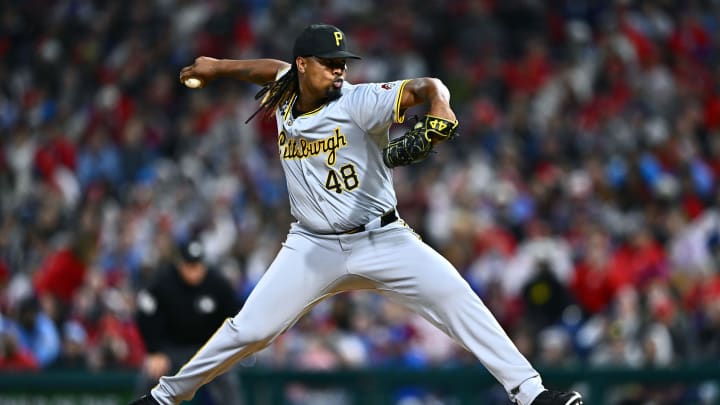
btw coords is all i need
(417, 143)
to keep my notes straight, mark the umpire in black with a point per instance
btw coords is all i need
(180, 309)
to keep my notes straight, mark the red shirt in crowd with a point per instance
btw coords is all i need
(637, 264)
(593, 287)
(60, 275)
(20, 360)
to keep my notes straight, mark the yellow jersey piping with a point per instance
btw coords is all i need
(309, 113)
(400, 118)
(289, 107)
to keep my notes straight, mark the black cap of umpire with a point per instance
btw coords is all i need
(323, 41)
(192, 251)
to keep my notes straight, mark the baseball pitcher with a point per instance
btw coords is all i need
(333, 142)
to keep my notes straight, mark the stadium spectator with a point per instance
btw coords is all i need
(35, 331)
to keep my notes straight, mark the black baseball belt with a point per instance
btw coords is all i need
(386, 219)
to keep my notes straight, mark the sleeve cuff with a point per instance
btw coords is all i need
(399, 116)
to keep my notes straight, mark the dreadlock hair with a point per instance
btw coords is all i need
(274, 94)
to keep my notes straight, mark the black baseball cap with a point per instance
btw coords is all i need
(192, 251)
(323, 41)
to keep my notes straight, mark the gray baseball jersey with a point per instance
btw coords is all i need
(337, 181)
(332, 157)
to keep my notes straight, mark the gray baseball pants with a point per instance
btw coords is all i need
(392, 260)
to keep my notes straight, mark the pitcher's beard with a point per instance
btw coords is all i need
(333, 93)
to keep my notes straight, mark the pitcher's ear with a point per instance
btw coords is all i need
(301, 63)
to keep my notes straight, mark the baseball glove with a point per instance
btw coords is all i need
(417, 143)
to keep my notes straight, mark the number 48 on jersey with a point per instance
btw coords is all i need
(341, 180)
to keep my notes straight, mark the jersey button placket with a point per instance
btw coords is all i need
(307, 170)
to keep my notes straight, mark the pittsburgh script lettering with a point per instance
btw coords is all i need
(302, 148)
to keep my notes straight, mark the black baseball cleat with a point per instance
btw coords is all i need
(145, 400)
(548, 397)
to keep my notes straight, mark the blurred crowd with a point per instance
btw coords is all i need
(580, 200)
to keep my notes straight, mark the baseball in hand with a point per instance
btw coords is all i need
(193, 82)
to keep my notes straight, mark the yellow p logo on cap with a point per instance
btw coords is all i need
(338, 37)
